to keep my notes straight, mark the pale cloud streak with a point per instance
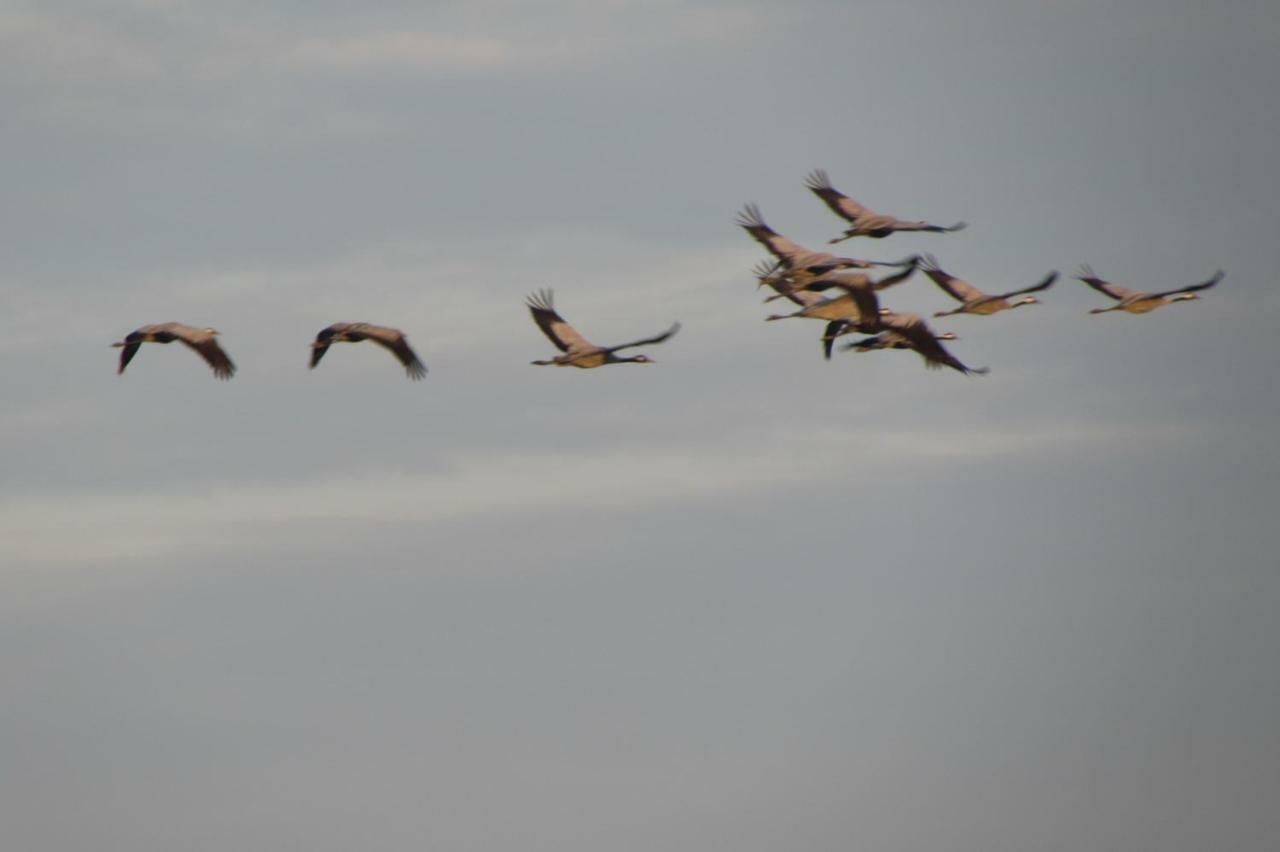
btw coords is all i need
(94, 528)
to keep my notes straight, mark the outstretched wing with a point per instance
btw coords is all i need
(126, 354)
(657, 339)
(787, 251)
(1115, 291)
(558, 331)
(212, 353)
(957, 288)
(1217, 276)
(394, 341)
(917, 334)
(841, 205)
(1045, 284)
(321, 345)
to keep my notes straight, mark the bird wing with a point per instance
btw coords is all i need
(901, 225)
(829, 335)
(842, 205)
(553, 325)
(126, 354)
(1115, 291)
(917, 334)
(321, 345)
(779, 246)
(1045, 284)
(656, 339)
(207, 346)
(864, 298)
(393, 339)
(957, 288)
(1217, 276)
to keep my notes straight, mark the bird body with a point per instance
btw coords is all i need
(1138, 302)
(909, 331)
(865, 221)
(202, 340)
(578, 351)
(973, 300)
(791, 255)
(391, 339)
(889, 340)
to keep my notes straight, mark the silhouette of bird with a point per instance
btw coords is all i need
(391, 339)
(1138, 302)
(866, 222)
(202, 340)
(578, 351)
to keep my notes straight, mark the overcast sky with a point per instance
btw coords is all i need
(743, 599)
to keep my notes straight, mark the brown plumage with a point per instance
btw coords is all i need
(888, 340)
(791, 255)
(392, 339)
(202, 340)
(855, 307)
(578, 351)
(866, 222)
(908, 331)
(1138, 302)
(973, 300)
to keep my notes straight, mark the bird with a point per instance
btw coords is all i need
(888, 340)
(1138, 302)
(808, 282)
(791, 255)
(866, 222)
(353, 332)
(578, 351)
(775, 276)
(909, 331)
(202, 340)
(856, 307)
(973, 300)
(857, 301)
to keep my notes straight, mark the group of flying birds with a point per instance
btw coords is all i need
(796, 273)
(803, 276)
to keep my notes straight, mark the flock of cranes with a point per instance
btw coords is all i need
(796, 273)
(804, 275)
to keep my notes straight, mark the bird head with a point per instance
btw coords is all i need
(1185, 297)
(1028, 300)
(946, 335)
(642, 359)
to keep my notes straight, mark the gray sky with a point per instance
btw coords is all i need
(743, 599)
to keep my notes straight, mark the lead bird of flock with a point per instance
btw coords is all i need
(1138, 302)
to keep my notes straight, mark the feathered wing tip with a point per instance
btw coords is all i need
(817, 180)
(958, 226)
(929, 263)
(749, 217)
(127, 351)
(415, 369)
(1085, 272)
(541, 300)
(765, 269)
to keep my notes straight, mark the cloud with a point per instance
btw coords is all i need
(88, 528)
(399, 50)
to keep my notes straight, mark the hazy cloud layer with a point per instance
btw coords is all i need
(743, 598)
